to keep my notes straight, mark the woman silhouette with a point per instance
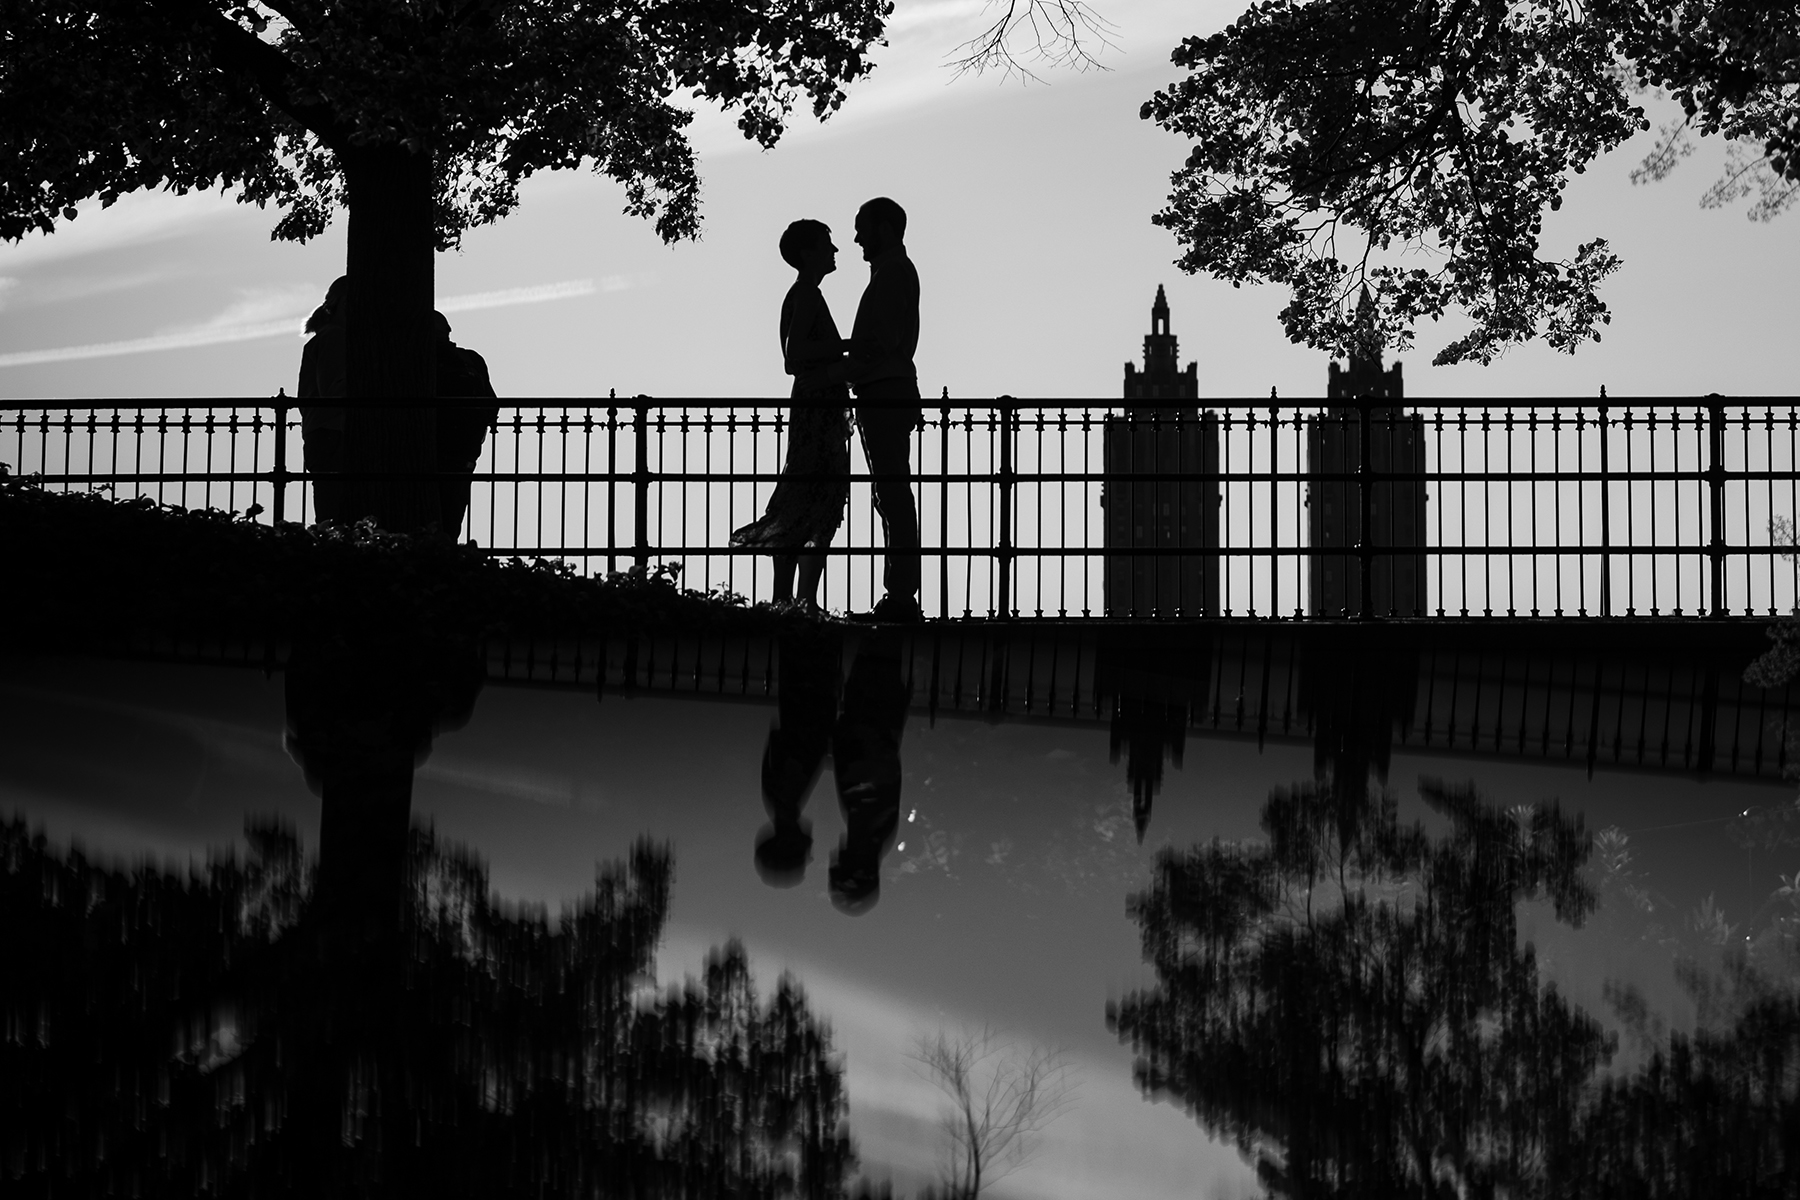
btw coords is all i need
(808, 504)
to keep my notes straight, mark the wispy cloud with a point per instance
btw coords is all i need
(34, 291)
(239, 322)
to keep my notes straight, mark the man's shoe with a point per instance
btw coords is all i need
(893, 610)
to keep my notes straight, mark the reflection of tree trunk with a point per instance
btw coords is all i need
(390, 345)
(361, 715)
(362, 850)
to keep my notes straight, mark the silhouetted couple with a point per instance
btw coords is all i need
(461, 374)
(863, 737)
(877, 362)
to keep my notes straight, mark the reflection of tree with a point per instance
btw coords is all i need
(1348, 1003)
(1001, 1097)
(177, 1034)
(1733, 1079)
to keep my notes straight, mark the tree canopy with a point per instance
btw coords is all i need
(107, 96)
(420, 117)
(1328, 137)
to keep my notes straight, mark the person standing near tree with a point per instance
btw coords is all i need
(322, 370)
(881, 372)
(461, 428)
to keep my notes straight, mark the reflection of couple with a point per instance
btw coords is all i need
(863, 737)
(877, 362)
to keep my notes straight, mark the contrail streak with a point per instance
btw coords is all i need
(294, 325)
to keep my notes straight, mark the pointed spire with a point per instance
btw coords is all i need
(1366, 377)
(1365, 336)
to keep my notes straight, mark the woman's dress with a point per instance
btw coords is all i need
(808, 504)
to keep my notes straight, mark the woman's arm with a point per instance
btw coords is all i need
(802, 351)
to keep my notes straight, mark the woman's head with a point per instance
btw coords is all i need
(331, 311)
(806, 245)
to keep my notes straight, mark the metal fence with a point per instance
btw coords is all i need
(1068, 509)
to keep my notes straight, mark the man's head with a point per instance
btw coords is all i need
(801, 239)
(880, 226)
(440, 326)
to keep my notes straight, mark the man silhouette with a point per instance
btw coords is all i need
(880, 370)
(461, 374)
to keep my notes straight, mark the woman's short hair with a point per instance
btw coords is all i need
(799, 237)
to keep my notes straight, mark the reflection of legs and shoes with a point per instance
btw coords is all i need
(793, 755)
(865, 749)
(887, 445)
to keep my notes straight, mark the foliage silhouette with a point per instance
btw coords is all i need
(218, 579)
(421, 119)
(172, 1034)
(1348, 1003)
(1326, 135)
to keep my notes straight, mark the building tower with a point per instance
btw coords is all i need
(1162, 433)
(1396, 444)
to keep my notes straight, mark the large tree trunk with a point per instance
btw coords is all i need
(390, 342)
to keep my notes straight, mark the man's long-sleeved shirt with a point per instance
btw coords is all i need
(887, 321)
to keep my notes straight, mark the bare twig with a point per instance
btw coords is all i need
(1001, 1095)
(1053, 33)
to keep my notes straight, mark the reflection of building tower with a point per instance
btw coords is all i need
(1396, 445)
(1163, 433)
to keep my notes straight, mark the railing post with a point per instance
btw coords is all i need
(1715, 478)
(1004, 554)
(1605, 520)
(278, 505)
(1365, 468)
(612, 482)
(640, 479)
(1274, 500)
(943, 510)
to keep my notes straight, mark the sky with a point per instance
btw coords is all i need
(1029, 219)
(1003, 902)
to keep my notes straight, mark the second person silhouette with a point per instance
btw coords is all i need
(807, 506)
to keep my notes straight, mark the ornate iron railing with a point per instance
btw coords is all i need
(1067, 508)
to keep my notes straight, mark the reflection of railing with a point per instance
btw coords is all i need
(1443, 508)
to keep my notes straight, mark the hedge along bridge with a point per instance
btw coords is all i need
(1073, 510)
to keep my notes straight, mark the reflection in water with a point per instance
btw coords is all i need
(183, 1034)
(864, 740)
(1348, 1003)
(1153, 684)
(1349, 1000)
(379, 1025)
